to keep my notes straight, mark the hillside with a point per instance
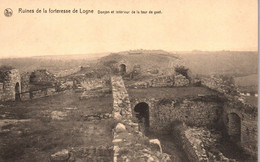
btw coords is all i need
(145, 59)
(237, 64)
(55, 64)
(233, 63)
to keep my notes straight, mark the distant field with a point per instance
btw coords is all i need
(55, 64)
(221, 62)
(250, 80)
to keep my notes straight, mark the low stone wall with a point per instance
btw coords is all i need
(97, 116)
(129, 143)
(39, 93)
(181, 81)
(93, 83)
(198, 143)
(42, 77)
(217, 84)
(193, 148)
(162, 81)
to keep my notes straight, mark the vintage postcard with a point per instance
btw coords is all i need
(129, 81)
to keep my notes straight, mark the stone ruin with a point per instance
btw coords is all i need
(197, 114)
(10, 85)
(29, 85)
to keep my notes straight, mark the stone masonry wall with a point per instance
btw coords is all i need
(129, 143)
(25, 82)
(215, 83)
(162, 81)
(246, 124)
(42, 77)
(198, 144)
(246, 112)
(94, 83)
(162, 112)
(8, 91)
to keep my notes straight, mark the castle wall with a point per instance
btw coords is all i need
(192, 112)
(25, 82)
(247, 125)
(12, 77)
(126, 134)
(243, 128)
(162, 81)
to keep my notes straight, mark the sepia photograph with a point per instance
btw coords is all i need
(129, 81)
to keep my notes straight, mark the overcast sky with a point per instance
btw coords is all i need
(183, 25)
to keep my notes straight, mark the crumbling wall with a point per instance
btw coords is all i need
(42, 77)
(218, 84)
(191, 111)
(198, 144)
(129, 143)
(25, 82)
(94, 83)
(162, 81)
(247, 125)
(37, 84)
(247, 122)
(10, 80)
(181, 81)
(95, 87)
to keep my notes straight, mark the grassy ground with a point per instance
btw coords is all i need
(41, 136)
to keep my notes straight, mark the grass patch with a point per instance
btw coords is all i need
(37, 139)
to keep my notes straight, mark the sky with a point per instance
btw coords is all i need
(183, 25)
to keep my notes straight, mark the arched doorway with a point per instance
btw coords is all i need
(122, 69)
(234, 127)
(142, 114)
(17, 92)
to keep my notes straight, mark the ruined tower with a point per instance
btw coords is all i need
(10, 85)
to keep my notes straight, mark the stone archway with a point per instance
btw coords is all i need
(234, 127)
(122, 69)
(17, 92)
(142, 114)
